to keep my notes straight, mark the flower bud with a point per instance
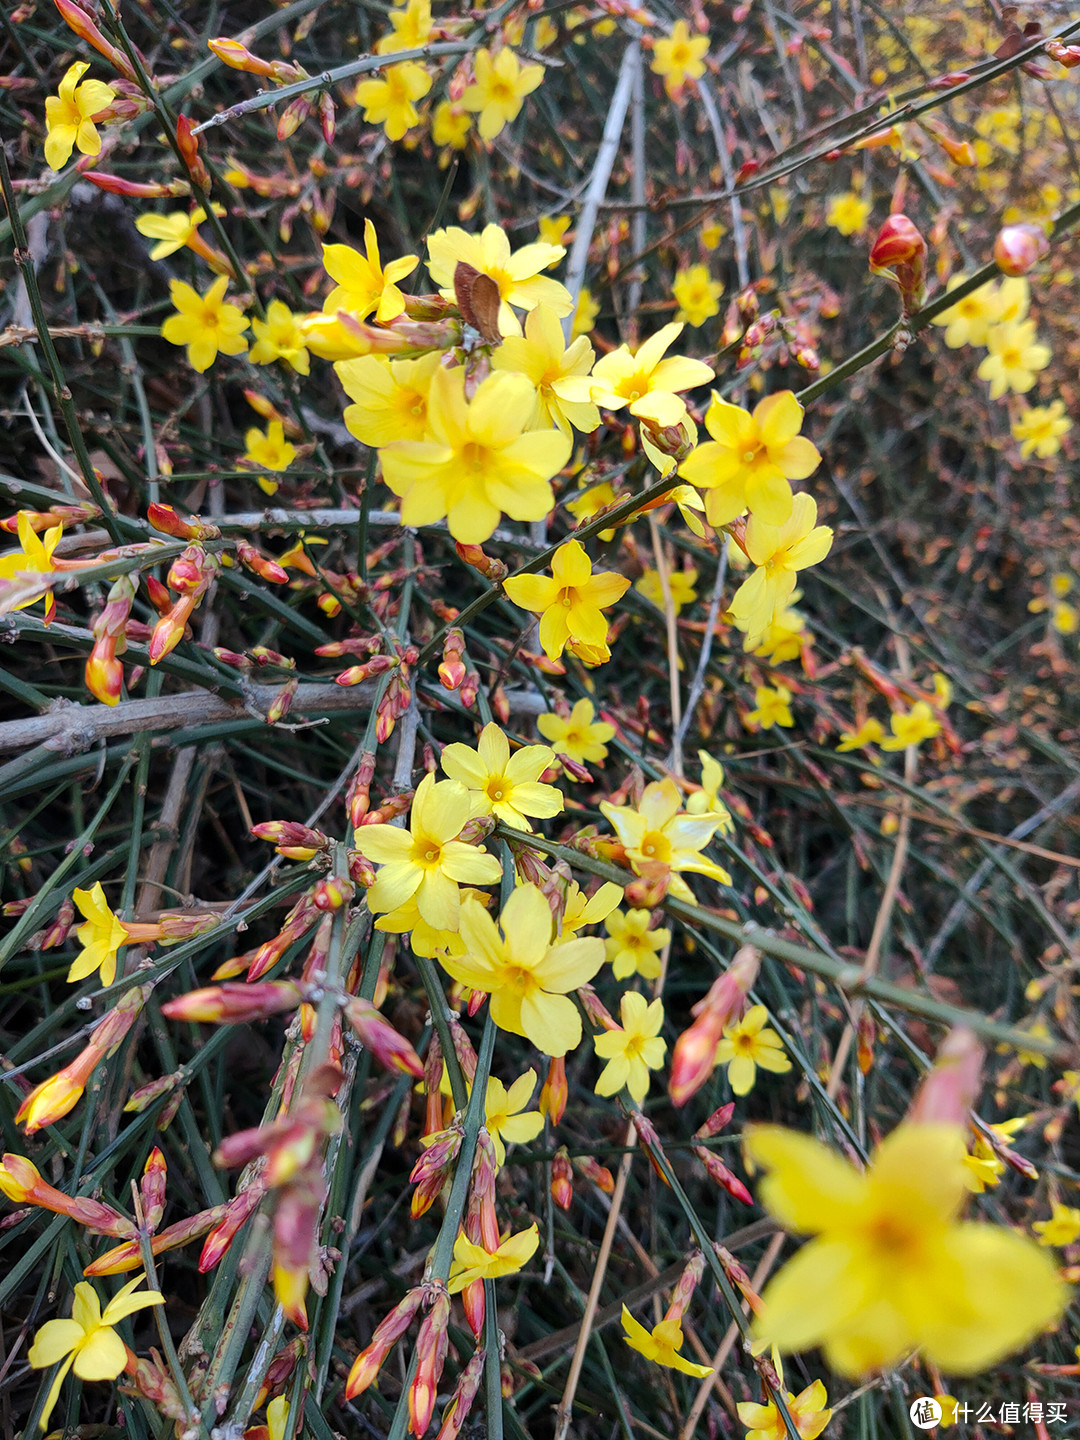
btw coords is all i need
(899, 254)
(694, 1056)
(598, 1175)
(291, 839)
(719, 1172)
(238, 57)
(165, 519)
(188, 145)
(80, 22)
(474, 555)
(555, 1091)
(366, 1365)
(54, 1098)
(261, 565)
(378, 1036)
(716, 1122)
(237, 1212)
(562, 1180)
(234, 1004)
(461, 1402)
(431, 1345)
(1067, 55)
(1019, 248)
(152, 1190)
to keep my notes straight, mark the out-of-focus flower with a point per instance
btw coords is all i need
(632, 1050)
(891, 1269)
(269, 449)
(206, 324)
(585, 313)
(1015, 358)
(967, 322)
(390, 101)
(680, 586)
(748, 1045)
(553, 227)
(1063, 1227)
(848, 213)
(912, 728)
(450, 125)
(697, 295)
(679, 58)
(870, 732)
(1039, 429)
(69, 116)
(88, 1341)
(579, 736)
(500, 86)
(175, 230)
(772, 706)
(410, 28)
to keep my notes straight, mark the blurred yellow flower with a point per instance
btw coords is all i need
(772, 707)
(912, 728)
(410, 28)
(450, 125)
(697, 295)
(1063, 1227)
(967, 321)
(585, 313)
(553, 228)
(1040, 428)
(389, 101)
(679, 58)
(680, 584)
(269, 450)
(870, 732)
(1015, 358)
(848, 213)
(500, 86)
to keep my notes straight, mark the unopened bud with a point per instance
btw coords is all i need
(431, 1346)
(492, 569)
(899, 254)
(562, 1180)
(725, 1178)
(188, 144)
(1019, 248)
(377, 1035)
(233, 1003)
(165, 519)
(555, 1091)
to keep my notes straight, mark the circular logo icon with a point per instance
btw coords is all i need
(925, 1412)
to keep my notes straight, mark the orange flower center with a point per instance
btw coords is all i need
(656, 846)
(496, 789)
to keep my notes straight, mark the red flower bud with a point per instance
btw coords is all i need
(1019, 248)
(899, 254)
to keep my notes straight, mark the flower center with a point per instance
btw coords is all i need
(427, 854)
(497, 789)
(656, 846)
(475, 457)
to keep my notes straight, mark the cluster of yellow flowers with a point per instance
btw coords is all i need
(996, 316)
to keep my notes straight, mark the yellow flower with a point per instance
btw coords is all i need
(778, 552)
(450, 125)
(786, 636)
(389, 101)
(528, 978)
(848, 213)
(644, 380)
(585, 313)
(363, 284)
(1040, 428)
(580, 911)
(913, 728)
(751, 458)
(680, 584)
(1063, 1227)
(869, 732)
(1015, 358)
(473, 1262)
(504, 1120)
(69, 116)
(543, 355)
(516, 273)
(967, 322)
(891, 1269)
(658, 833)
(706, 801)
(479, 461)
(270, 450)
(504, 785)
(773, 708)
(712, 234)
(88, 1340)
(427, 861)
(33, 557)
(101, 937)
(391, 397)
(553, 228)
(679, 58)
(697, 295)
(632, 947)
(579, 736)
(807, 1409)
(410, 28)
(572, 602)
(279, 337)
(500, 86)
(663, 1342)
(1065, 618)
(1014, 297)
(172, 231)
(634, 1049)
(747, 1045)
(206, 324)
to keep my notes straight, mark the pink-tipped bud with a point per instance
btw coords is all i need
(719, 1172)
(377, 1035)
(433, 1169)
(233, 1003)
(58, 930)
(716, 1122)
(281, 704)
(188, 144)
(431, 1345)
(899, 254)
(949, 1090)
(133, 189)
(562, 1180)
(237, 1213)
(461, 1402)
(597, 1174)
(261, 565)
(327, 121)
(293, 116)
(366, 1366)
(152, 1189)
(1019, 248)
(80, 22)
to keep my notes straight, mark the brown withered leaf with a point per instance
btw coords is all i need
(478, 300)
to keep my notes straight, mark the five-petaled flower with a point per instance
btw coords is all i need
(772, 706)
(517, 274)
(101, 937)
(751, 458)
(528, 978)
(778, 552)
(661, 1344)
(659, 836)
(891, 1269)
(88, 1341)
(478, 460)
(69, 116)
(572, 602)
(505, 1117)
(472, 1262)
(632, 1050)
(807, 1409)
(679, 58)
(697, 295)
(206, 324)
(33, 557)
(1015, 358)
(543, 355)
(427, 861)
(279, 337)
(364, 285)
(390, 101)
(631, 946)
(269, 449)
(1039, 429)
(578, 736)
(504, 785)
(645, 379)
(500, 86)
(750, 1044)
